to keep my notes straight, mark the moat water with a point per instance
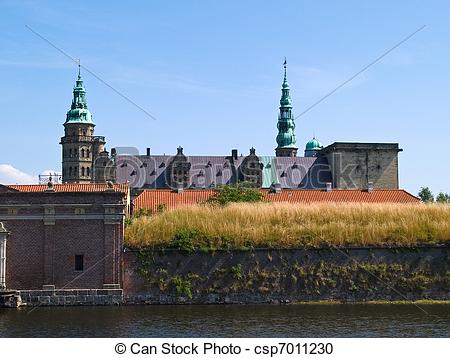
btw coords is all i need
(321, 320)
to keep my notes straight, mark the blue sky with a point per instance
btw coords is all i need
(211, 71)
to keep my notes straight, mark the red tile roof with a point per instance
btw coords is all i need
(70, 188)
(343, 196)
(151, 199)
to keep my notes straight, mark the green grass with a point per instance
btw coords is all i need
(283, 225)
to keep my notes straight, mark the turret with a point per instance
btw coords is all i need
(286, 127)
(79, 145)
(313, 147)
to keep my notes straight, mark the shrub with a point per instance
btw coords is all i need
(242, 192)
(182, 286)
(236, 271)
(184, 240)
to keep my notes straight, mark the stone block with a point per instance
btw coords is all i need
(44, 300)
(69, 300)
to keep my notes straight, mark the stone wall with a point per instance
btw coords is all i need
(353, 165)
(80, 297)
(261, 276)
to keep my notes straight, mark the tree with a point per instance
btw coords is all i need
(443, 198)
(426, 195)
(241, 192)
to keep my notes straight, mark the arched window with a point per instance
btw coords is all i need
(88, 171)
(82, 153)
(87, 153)
(70, 152)
(82, 171)
(70, 171)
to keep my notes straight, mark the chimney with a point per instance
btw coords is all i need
(50, 187)
(180, 188)
(369, 187)
(275, 188)
(234, 154)
(329, 187)
(148, 152)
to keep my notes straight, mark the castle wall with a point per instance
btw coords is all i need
(289, 275)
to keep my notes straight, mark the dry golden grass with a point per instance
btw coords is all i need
(284, 225)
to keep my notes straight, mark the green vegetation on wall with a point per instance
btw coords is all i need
(389, 276)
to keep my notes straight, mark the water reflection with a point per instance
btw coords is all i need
(229, 321)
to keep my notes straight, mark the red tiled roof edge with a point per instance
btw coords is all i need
(69, 188)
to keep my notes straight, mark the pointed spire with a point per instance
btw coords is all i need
(79, 69)
(79, 112)
(286, 136)
(285, 81)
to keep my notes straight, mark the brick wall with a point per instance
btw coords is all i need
(47, 230)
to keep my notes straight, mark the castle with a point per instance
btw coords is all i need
(64, 230)
(340, 165)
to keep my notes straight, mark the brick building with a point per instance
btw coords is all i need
(66, 235)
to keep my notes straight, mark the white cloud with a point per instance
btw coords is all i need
(11, 175)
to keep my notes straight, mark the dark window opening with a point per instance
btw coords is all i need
(79, 262)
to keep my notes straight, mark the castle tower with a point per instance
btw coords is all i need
(80, 147)
(286, 126)
(313, 147)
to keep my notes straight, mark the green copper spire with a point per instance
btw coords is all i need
(286, 126)
(79, 112)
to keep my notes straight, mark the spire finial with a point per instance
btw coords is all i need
(79, 68)
(285, 65)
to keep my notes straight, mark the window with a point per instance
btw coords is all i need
(88, 171)
(70, 171)
(79, 211)
(82, 171)
(82, 153)
(13, 211)
(79, 262)
(87, 153)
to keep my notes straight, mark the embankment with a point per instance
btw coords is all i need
(286, 275)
